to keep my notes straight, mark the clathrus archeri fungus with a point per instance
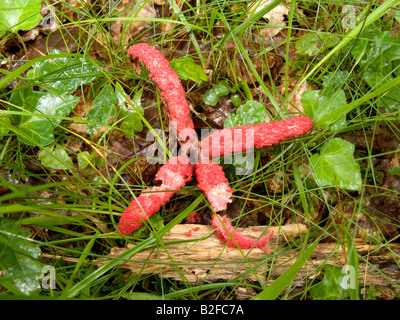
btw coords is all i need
(210, 176)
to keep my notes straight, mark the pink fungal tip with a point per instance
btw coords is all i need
(168, 82)
(227, 234)
(174, 174)
(239, 139)
(212, 181)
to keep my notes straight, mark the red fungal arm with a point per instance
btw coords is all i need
(227, 233)
(168, 82)
(240, 139)
(212, 181)
(174, 174)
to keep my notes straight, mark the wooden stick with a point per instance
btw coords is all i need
(194, 253)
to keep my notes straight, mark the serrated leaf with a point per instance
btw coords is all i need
(55, 158)
(18, 15)
(65, 74)
(103, 109)
(19, 258)
(29, 103)
(186, 68)
(252, 112)
(335, 165)
(213, 94)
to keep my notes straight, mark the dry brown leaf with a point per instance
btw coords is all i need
(294, 106)
(275, 17)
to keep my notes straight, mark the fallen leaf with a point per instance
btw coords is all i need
(275, 18)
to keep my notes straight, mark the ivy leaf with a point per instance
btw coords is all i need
(212, 95)
(186, 68)
(55, 158)
(39, 129)
(335, 165)
(321, 103)
(19, 258)
(378, 54)
(330, 286)
(19, 14)
(103, 109)
(317, 105)
(131, 118)
(252, 112)
(65, 74)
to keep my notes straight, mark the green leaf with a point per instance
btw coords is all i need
(397, 15)
(313, 43)
(19, 259)
(252, 112)
(394, 171)
(324, 103)
(32, 103)
(65, 74)
(55, 158)
(317, 104)
(212, 95)
(103, 109)
(350, 282)
(276, 288)
(132, 123)
(186, 68)
(335, 165)
(84, 158)
(330, 288)
(131, 118)
(378, 54)
(19, 14)
(5, 122)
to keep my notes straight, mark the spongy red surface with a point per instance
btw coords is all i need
(168, 82)
(174, 174)
(212, 181)
(227, 233)
(239, 139)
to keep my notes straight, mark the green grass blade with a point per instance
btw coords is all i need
(73, 291)
(276, 288)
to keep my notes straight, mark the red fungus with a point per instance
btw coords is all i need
(227, 233)
(168, 82)
(223, 142)
(194, 218)
(211, 180)
(174, 174)
(210, 176)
